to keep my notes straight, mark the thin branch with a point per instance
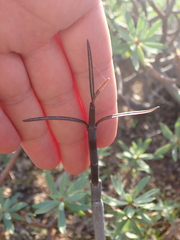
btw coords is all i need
(167, 82)
(10, 165)
(157, 9)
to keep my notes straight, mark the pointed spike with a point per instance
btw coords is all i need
(131, 113)
(90, 67)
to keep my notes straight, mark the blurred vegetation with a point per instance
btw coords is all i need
(146, 45)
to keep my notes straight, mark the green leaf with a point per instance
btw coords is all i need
(129, 211)
(18, 206)
(135, 60)
(153, 29)
(164, 149)
(146, 144)
(50, 182)
(149, 50)
(77, 207)
(61, 218)
(141, 25)
(128, 198)
(135, 228)
(119, 227)
(167, 132)
(123, 146)
(144, 219)
(13, 199)
(147, 156)
(153, 45)
(75, 197)
(45, 207)
(78, 184)
(177, 128)
(63, 184)
(174, 153)
(139, 187)
(130, 23)
(141, 55)
(16, 216)
(143, 166)
(146, 196)
(8, 223)
(117, 184)
(131, 235)
(124, 34)
(113, 201)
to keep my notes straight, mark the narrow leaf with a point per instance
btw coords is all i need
(124, 34)
(130, 23)
(63, 185)
(123, 146)
(139, 187)
(113, 201)
(135, 60)
(142, 198)
(50, 182)
(16, 216)
(177, 128)
(78, 184)
(117, 184)
(167, 132)
(75, 197)
(153, 29)
(136, 229)
(153, 45)
(129, 211)
(143, 166)
(46, 207)
(61, 218)
(13, 199)
(77, 207)
(8, 223)
(119, 228)
(141, 55)
(18, 206)
(164, 149)
(174, 152)
(146, 144)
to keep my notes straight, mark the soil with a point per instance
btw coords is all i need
(29, 181)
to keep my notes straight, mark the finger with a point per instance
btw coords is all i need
(94, 28)
(9, 138)
(18, 101)
(53, 84)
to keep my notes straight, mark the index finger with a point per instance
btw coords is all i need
(94, 28)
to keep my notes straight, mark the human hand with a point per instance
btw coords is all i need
(44, 71)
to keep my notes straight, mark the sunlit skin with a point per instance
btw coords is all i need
(44, 72)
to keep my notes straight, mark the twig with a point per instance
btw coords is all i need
(10, 165)
(167, 82)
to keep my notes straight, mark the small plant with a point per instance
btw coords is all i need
(174, 141)
(68, 195)
(136, 38)
(9, 209)
(136, 156)
(132, 216)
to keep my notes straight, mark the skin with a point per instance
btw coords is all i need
(44, 72)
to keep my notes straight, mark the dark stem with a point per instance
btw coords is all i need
(93, 145)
